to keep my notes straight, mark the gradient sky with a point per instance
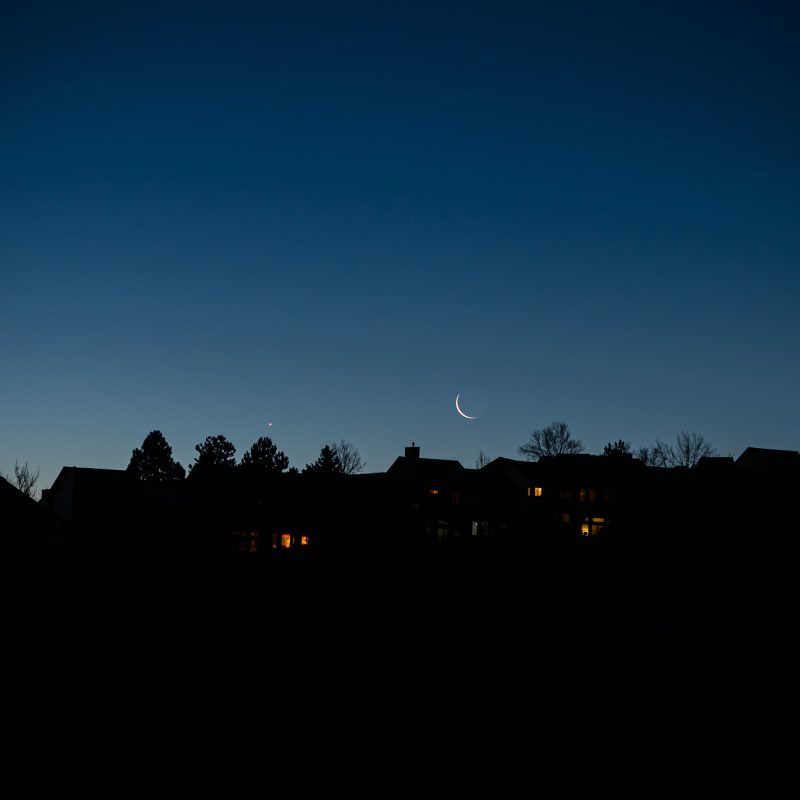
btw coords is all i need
(335, 216)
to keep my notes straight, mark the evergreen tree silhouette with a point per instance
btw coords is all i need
(264, 456)
(153, 461)
(327, 464)
(215, 456)
(618, 448)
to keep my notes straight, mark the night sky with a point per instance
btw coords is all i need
(335, 216)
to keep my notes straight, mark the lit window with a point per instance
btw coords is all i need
(474, 528)
(529, 491)
(433, 491)
(304, 541)
(286, 540)
(592, 526)
(537, 491)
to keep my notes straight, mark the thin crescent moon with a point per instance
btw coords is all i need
(458, 408)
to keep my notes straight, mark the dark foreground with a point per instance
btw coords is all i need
(234, 659)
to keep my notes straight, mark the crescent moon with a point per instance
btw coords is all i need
(458, 408)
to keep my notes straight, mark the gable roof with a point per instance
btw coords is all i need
(405, 467)
(764, 459)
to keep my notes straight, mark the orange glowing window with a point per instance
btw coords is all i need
(433, 491)
(286, 540)
(304, 541)
(585, 529)
(537, 491)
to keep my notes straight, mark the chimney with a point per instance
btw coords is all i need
(412, 453)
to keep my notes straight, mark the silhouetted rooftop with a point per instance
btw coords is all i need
(12, 500)
(766, 460)
(422, 467)
(715, 462)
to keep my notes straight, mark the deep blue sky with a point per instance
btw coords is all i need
(335, 216)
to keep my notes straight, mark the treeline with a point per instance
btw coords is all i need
(216, 455)
(556, 440)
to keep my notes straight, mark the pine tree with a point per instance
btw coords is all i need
(153, 461)
(215, 455)
(618, 448)
(327, 464)
(264, 456)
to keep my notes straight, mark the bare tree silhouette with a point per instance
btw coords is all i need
(688, 449)
(554, 440)
(25, 479)
(349, 457)
(649, 456)
(482, 460)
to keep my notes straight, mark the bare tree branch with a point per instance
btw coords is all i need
(689, 448)
(349, 457)
(25, 479)
(482, 460)
(554, 440)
